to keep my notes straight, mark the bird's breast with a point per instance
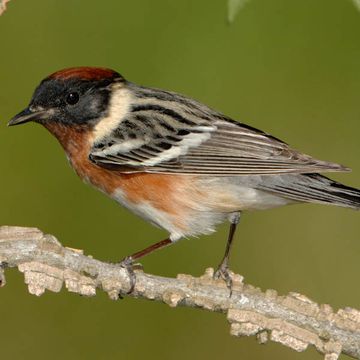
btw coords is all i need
(159, 198)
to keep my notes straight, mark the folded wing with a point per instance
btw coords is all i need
(172, 136)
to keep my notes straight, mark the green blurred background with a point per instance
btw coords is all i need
(290, 68)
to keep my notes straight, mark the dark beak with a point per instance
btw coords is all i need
(26, 116)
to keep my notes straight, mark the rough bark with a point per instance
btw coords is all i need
(292, 320)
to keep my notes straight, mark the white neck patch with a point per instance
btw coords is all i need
(120, 101)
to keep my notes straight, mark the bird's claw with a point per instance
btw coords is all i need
(128, 264)
(223, 272)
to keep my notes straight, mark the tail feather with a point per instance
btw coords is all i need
(315, 188)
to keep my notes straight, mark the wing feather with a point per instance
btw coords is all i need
(179, 135)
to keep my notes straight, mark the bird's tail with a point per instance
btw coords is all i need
(315, 188)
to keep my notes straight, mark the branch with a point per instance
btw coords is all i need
(292, 320)
(3, 5)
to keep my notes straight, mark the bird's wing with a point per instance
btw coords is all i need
(169, 136)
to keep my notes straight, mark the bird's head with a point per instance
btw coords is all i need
(75, 96)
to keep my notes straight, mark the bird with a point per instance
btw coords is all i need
(172, 160)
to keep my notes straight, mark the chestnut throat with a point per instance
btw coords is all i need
(74, 139)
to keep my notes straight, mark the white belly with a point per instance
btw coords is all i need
(203, 205)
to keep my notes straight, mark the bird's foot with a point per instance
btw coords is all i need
(129, 265)
(223, 272)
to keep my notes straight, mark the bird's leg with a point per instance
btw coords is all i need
(128, 262)
(150, 249)
(223, 269)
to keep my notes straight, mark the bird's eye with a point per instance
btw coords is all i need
(72, 98)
